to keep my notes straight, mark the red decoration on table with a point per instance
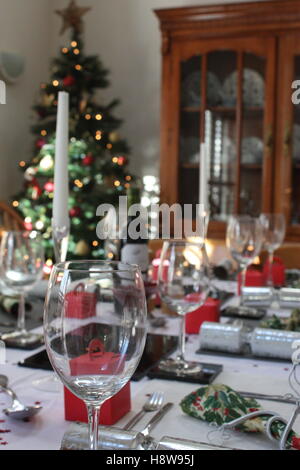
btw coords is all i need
(210, 311)
(254, 278)
(111, 412)
(81, 304)
(278, 271)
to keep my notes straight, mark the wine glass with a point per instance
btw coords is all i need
(22, 263)
(274, 232)
(244, 239)
(183, 287)
(95, 330)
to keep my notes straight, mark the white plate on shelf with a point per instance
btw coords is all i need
(253, 89)
(252, 150)
(191, 90)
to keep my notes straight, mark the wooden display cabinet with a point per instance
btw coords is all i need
(227, 80)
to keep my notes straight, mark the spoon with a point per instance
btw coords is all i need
(17, 409)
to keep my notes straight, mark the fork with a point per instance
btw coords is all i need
(153, 403)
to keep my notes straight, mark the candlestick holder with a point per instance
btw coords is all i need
(60, 236)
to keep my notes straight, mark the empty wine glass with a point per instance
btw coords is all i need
(22, 262)
(183, 287)
(95, 330)
(244, 240)
(274, 232)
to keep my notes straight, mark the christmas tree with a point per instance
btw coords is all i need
(98, 157)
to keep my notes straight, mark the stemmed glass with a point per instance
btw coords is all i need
(95, 330)
(22, 262)
(274, 232)
(244, 239)
(183, 287)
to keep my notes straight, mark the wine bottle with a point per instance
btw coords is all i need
(134, 250)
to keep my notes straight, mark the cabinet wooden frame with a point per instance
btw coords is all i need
(270, 29)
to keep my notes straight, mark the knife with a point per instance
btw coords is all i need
(261, 396)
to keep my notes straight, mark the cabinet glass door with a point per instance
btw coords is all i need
(252, 143)
(287, 183)
(226, 100)
(221, 132)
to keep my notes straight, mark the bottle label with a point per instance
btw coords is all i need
(136, 254)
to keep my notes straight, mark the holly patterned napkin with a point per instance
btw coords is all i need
(220, 404)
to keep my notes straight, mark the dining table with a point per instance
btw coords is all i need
(46, 430)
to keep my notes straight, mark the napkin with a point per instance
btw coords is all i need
(220, 404)
(289, 324)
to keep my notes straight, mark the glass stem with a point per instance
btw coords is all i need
(93, 420)
(181, 351)
(270, 270)
(243, 282)
(21, 314)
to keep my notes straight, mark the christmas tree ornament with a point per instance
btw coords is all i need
(40, 143)
(75, 212)
(82, 248)
(114, 137)
(47, 100)
(82, 105)
(72, 17)
(46, 163)
(88, 160)
(69, 81)
(49, 187)
(30, 174)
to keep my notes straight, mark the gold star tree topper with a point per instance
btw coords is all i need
(72, 17)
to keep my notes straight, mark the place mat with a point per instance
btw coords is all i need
(206, 376)
(13, 344)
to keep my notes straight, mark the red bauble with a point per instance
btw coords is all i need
(49, 187)
(122, 161)
(75, 212)
(69, 80)
(36, 192)
(88, 160)
(40, 143)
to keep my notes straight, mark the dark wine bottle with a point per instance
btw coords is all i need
(134, 242)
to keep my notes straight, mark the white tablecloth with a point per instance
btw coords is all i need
(46, 430)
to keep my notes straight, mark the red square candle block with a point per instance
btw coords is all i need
(81, 304)
(98, 361)
(254, 278)
(277, 270)
(210, 311)
(111, 411)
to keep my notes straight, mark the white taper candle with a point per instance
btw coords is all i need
(203, 196)
(61, 176)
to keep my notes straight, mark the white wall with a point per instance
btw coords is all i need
(24, 28)
(126, 35)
